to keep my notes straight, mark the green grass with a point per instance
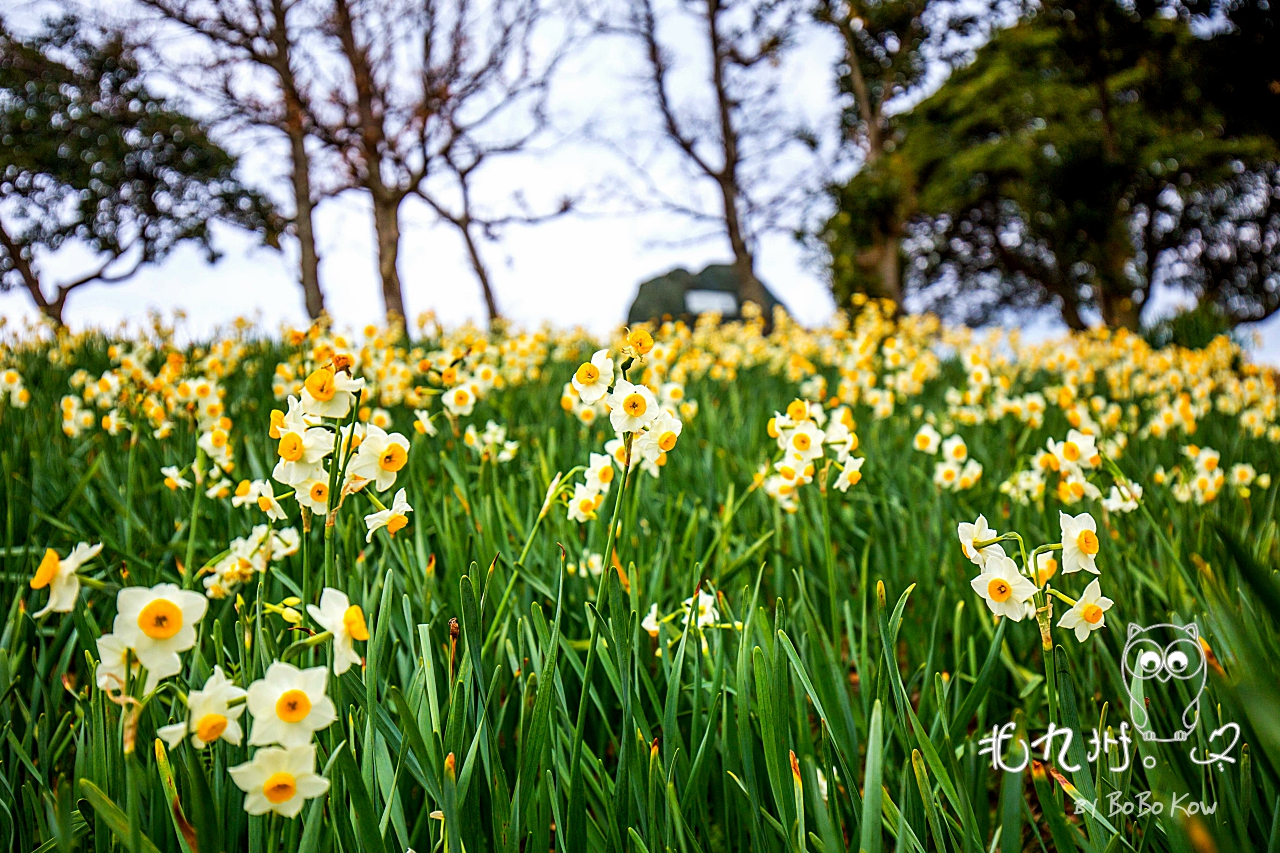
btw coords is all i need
(506, 704)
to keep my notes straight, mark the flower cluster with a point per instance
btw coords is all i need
(956, 471)
(1021, 591)
(804, 434)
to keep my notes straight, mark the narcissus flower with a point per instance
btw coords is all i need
(631, 407)
(584, 503)
(978, 531)
(1079, 542)
(116, 664)
(279, 780)
(59, 575)
(954, 449)
(459, 401)
(1002, 587)
(301, 448)
(173, 478)
(593, 378)
(158, 623)
(851, 474)
(337, 615)
(705, 612)
(394, 519)
(289, 705)
(600, 472)
(327, 394)
(660, 437)
(1088, 614)
(380, 457)
(927, 440)
(422, 422)
(210, 714)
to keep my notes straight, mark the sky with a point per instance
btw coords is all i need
(578, 270)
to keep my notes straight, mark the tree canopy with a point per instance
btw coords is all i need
(1076, 161)
(88, 153)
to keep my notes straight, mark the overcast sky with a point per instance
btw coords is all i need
(577, 270)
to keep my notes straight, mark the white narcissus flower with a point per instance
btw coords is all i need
(279, 780)
(584, 503)
(592, 378)
(600, 472)
(1088, 614)
(337, 615)
(173, 478)
(422, 423)
(210, 714)
(706, 612)
(927, 440)
(326, 394)
(60, 576)
(851, 474)
(459, 401)
(314, 494)
(116, 664)
(631, 407)
(805, 441)
(289, 705)
(978, 531)
(158, 623)
(1003, 588)
(394, 519)
(1079, 542)
(301, 448)
(660, 437)
(380, 457)
(650, 622)
(285, 543)
(955, 450)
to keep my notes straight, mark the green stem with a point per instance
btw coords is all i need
(189, 563)
(617, 504)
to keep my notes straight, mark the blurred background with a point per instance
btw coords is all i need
(1040, 165)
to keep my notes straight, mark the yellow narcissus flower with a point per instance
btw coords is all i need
(1079, 542)
(1088, 614)
(157, 623)
(279, 780)
(593, 378)
(1002, 587)
(59, 575)
(289, 705)
(337, 615)
(631, 407)
(394, 519)
(380, 457)
(851, 474)
(210, 714)
(640, 341)
(326, 394)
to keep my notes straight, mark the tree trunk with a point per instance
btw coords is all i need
(1071, 315)
(386, 226)
(309, 260)
(1119, 310)
(750, 289)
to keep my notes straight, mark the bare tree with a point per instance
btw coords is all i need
(259, 75)
(733, 132)
(430, 92)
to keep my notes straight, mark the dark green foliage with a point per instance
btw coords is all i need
(89, 154)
